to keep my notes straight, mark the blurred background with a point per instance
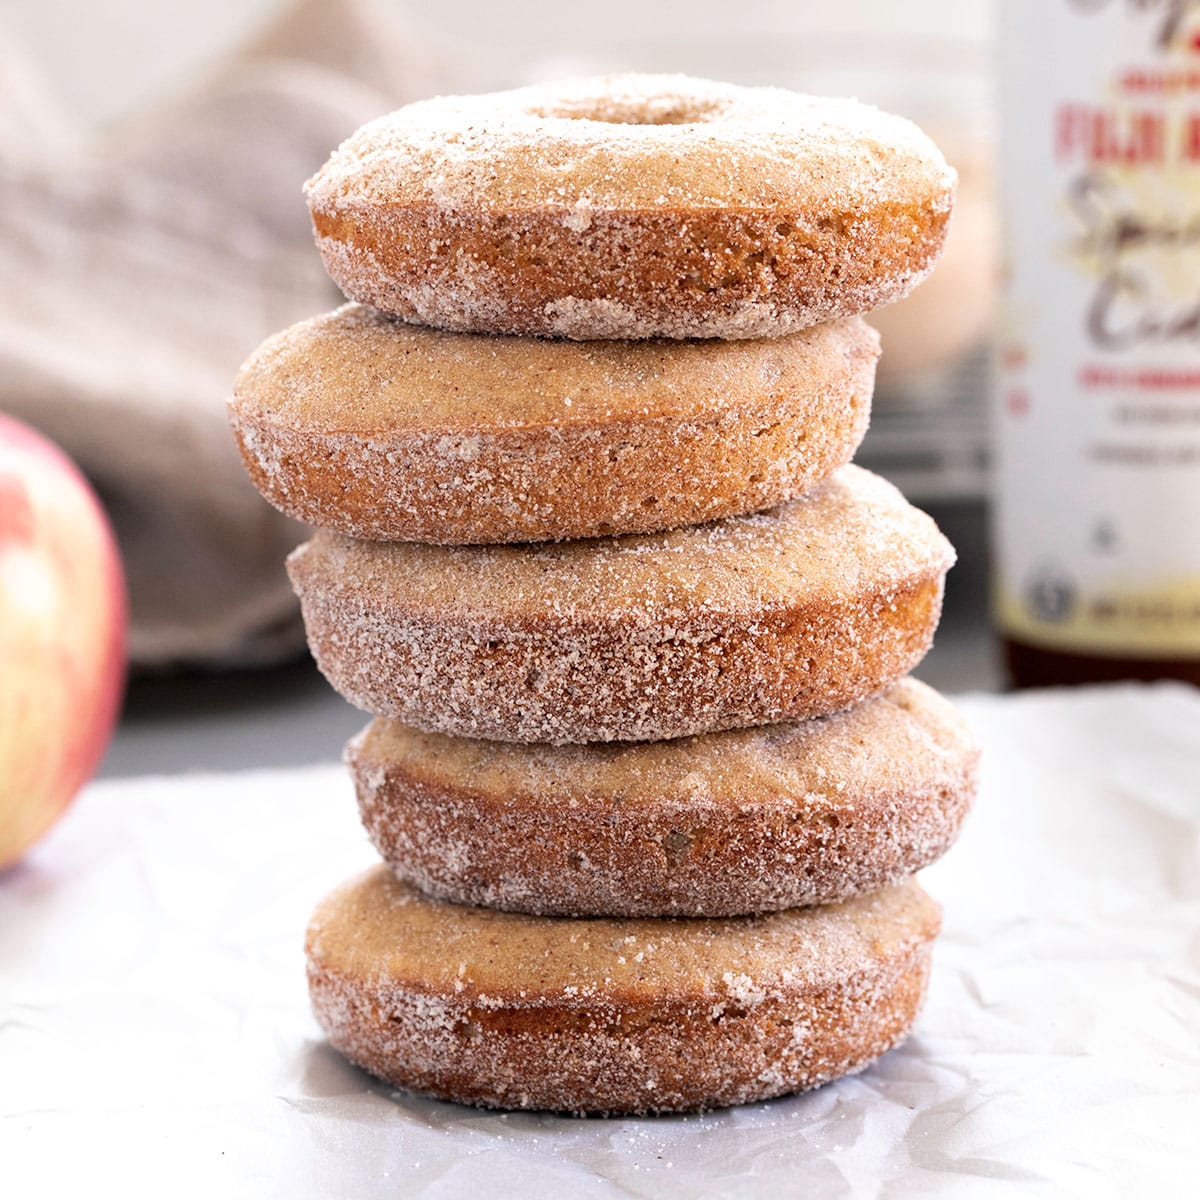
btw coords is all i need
(152, 232)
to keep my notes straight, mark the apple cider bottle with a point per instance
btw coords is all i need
(1097, 491)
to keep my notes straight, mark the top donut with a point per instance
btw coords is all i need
(632, 206)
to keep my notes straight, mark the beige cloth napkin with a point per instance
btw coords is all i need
(139, 269)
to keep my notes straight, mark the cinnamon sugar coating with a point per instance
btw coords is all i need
(354, 422)
(596, 1016)
(632, 207)
(783, 615)
(718, 825)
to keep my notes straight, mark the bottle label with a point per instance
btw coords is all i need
(1098, 399)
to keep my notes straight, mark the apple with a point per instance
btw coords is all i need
(62, 635)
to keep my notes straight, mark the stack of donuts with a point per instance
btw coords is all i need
(646, 771)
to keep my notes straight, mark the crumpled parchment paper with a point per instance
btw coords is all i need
(155, 1033)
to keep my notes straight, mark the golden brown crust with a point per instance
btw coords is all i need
(719, 825)
(606, 1016)
(581, 210)
(784, 615)
(354, 422)
(674, 274)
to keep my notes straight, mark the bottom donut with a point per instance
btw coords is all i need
(609, 1016)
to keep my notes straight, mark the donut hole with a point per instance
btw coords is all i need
(646, 110)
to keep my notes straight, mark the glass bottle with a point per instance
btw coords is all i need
(1097, 421)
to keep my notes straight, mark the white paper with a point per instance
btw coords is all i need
(155, 1037)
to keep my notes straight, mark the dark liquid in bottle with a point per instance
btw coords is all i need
(1035, 666)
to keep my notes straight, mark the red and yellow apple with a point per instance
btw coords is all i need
(62, 635)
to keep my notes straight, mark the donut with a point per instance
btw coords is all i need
(718, 825)
(792, 613)
(355, 422)
(506, 1010)
(632, 206)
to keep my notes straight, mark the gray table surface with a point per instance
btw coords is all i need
(290, 716)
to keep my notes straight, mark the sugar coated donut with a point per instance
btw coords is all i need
(381, 430)
(631, 207)
(787, 614)
(596, 1016)
(719, 825)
